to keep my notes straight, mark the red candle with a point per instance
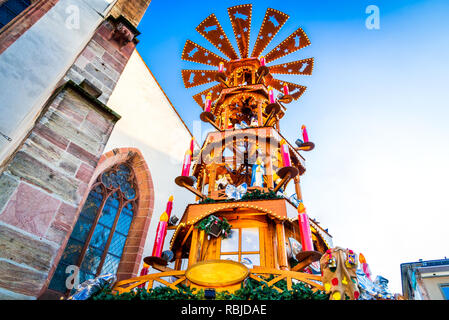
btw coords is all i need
(305, 136)
(143, 272)
(271, 94)
(285, 154)
(169, 207)
(304, 229)
(186, 163)
(168, 210)
(221, 67)
(262, 61)
(208, 103)
(192, 144)
(160, 235)
(286, 91)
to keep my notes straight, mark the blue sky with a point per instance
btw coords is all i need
(376, 107)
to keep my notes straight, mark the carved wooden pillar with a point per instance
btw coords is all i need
(281, 251)
(298, 187)
(193, 254)
(268, 165)
(226, 119)
(178, 257)
(199, 187)
(212, 178)
(259, 114)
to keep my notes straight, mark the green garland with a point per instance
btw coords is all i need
(158, 293)
(207, 223)
(250, 290)
(250, 195)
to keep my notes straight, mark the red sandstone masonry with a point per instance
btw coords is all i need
(43, 209)
(51, 136)
(30, 210)
(113, 62)
(48, 215)
(82, 154)
(97, 120)
(85, 172)
(66, 214)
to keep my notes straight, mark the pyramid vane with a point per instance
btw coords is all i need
(240, 17)
(193, 78)
(211, 29)
(272, 23)
(294, 42)
(304, 67)
(196, 53)
(200, 97)
(296, 90)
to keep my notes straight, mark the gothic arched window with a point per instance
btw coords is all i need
(10, 9)
(98, 238)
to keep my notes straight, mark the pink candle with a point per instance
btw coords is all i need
(221, 67)
(304, 229)
(192, 144)
(286, 91)
(271, 94)
(285, 154)
(169, 206)
(186, 163)
(305, 136)
(262, 61)
(160, 235)
(143, 272)
(208, 102)
(168, 210)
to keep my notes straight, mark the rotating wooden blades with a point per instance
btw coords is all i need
(240, 17)
(297, 40)
(211, 29)
(296, 90)
(196, 53)
(193, 78)
(272, 23)
(304, 66)
(200, 98)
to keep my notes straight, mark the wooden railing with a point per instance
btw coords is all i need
(288, 275)
(148, 280)
(130, 284)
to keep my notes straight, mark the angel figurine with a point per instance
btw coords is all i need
(222, 181)
(254, 122)
(258, 171)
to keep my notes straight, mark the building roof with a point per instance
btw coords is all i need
(429, 266)
(162, 90)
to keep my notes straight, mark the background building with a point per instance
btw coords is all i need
(81, 154)
(426, 280)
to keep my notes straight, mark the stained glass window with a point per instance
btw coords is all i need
(99, 236)
(10, 9)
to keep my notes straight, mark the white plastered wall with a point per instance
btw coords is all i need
(32, 66)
